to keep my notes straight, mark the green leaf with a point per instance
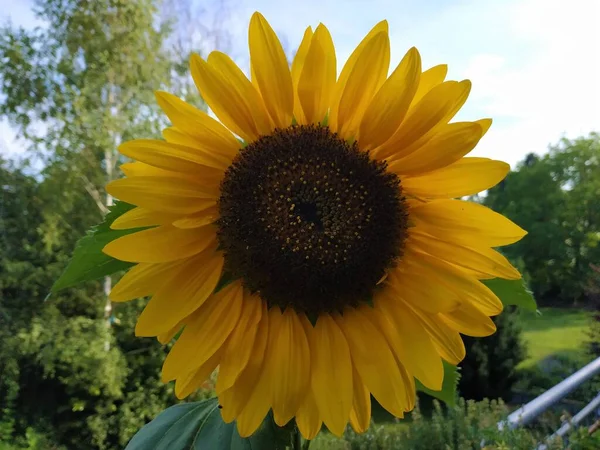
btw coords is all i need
(448, 393)
(88, 261)
(226, 278)
(512, 292)
(199, 426)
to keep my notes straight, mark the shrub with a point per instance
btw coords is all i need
(467, 425)
(488, 370)
(592, 291)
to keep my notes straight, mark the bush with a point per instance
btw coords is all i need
(581, 440)
(592, 291)
(468, 425)
(536, 380)
(488, 371)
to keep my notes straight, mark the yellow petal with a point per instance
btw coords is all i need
(297, 66)
(482, 260)
(262, 393)
(340, 85)
(270, 67)
(143, 280)
(175, 136)
(318, 76)
(288, 367)
(234, 399)
(461, 283)
(419, 286)
(308, 418)
(429, 79)
(466, 223)
(206, 331)
(141, 217)
(374, 361)
(360, 415)
(256, 409)
(208, 216)
(485, 125)
(181, 295)
(331, 369)
(238, 348)
(390, 105)
(466, 176)
(300, 56)
(447, 341)
(198, 124)
(452, 143)
(434, 110)
(168, 194)
(469, 320)
(409, 340)
(224, 158)
(177, 158)
(366, 77)
(168, 336)
(162, 244)
(140, 169)
(225, 98)
(190, 382)
(410, 390)
(248, 93)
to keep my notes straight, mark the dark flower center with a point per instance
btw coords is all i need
(310, 221)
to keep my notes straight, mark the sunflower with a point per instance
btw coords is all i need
(310, 244)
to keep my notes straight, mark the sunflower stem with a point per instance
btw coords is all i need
(305, 445)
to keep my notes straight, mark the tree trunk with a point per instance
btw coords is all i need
(108, 161)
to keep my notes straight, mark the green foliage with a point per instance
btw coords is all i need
(461, 427)
(34, 440)
(74, 89)
(448, 393)
(489, 368)
(555, 198)
(536, 380)
(580, 439)
(592, 291)
(512, 292)
(196, 426)
(88, 261)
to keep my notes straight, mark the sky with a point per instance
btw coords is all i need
(534, 64)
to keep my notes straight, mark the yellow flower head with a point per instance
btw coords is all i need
(324, 259)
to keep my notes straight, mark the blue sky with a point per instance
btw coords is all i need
(534, 64)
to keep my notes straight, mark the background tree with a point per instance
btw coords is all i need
(74, 89)
(489, 369)
(556, 198)
(592, 291)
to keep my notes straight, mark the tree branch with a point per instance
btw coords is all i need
(91, 189)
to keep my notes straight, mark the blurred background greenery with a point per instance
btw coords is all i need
(72, 374)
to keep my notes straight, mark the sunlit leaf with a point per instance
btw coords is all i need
(199, 426)
(512, 292)
(448, 394)
(88, 261)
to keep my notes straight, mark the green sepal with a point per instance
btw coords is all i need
(88, 261)
(449, 391)
(512, 292)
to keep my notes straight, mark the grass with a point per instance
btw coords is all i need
(556, 330)
(327, 441)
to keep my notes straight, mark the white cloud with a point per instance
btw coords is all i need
(534, 64)
(555, 92)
